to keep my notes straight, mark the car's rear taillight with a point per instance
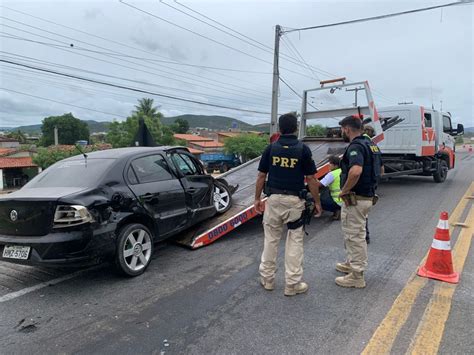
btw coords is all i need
(71, 215)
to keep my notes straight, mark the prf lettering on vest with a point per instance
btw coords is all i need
(284, 162)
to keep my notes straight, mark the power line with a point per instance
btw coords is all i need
(125, 79)
(60, 102)
(296, 93)
(35, 79)
(134, 57)
(266, 47)
(175, 62)
(101, 47)
(204, 36)
(133, 89)
(71, 50)
(379, 17)
(302, 59)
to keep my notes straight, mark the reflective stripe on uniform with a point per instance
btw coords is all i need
(441, 244)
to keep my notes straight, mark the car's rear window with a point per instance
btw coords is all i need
(72, 173)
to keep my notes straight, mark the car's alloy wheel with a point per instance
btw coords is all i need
(222, 197)
(135, 248)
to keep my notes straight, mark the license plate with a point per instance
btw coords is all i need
(16, 252)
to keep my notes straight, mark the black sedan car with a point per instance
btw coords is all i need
(111, 204)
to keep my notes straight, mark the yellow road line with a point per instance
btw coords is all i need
(387, 331)
(431, 328)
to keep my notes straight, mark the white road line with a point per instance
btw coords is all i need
(24, 291)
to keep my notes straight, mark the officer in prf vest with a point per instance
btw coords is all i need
(361, 168)
(286, 162)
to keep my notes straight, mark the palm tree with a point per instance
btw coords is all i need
(145, 108)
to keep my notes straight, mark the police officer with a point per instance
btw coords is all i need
(361, 167)
(286, 162)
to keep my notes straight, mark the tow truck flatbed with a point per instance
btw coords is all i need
(242, 209)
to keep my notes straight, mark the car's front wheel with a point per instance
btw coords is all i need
(134, 249)
(222, 197)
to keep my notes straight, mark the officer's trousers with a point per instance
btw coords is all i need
(353, 222)
(279, 210)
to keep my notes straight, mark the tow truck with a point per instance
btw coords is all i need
(414, 141)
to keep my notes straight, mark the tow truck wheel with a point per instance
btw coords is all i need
(222, 197)
(442, 171)
(134, 249)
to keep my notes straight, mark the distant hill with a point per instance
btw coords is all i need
(212, 122)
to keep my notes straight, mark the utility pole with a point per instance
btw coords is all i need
(276, 82)
(356, 91)
(56, 140)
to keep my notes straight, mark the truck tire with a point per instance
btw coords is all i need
(441, 172)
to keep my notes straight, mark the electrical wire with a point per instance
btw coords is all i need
(379, 17)
(60, 102)
(134, 89)
(240, 89)
(113, 95)
(204, 36)
(175, 62)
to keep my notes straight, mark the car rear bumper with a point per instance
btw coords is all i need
(83, 247)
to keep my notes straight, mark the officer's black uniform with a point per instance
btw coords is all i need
(287, 162)
(365, 153)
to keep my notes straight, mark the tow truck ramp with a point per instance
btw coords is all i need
(242, 209)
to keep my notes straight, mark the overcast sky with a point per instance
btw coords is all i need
(424, 58)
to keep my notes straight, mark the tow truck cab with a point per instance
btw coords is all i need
(423, 143)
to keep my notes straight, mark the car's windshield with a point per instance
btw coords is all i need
(72, 173)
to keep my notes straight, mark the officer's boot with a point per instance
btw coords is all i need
(344, 267)
(292, 290)
(267, 284)
(353, 279)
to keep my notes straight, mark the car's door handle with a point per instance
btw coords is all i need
(192, 190)
(148, 197)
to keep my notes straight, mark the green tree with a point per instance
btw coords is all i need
(70, 129)
(121, 134)
(248, 146)
(180, 126)
(316, 131)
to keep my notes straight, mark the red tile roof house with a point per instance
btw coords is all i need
(16, 171)
(191, 138)
(208, 147)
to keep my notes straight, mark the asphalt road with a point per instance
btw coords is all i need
(209, 300)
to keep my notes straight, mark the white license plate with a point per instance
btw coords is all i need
(16, 252)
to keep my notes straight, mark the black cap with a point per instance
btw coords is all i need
(352, 122)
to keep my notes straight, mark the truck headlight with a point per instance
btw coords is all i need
(71, 215)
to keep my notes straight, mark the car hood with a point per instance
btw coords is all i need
(40, 193)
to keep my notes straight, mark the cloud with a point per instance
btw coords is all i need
(426, 92)
(148, 40)
(92, 14)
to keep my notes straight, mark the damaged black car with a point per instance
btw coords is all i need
(108, 205)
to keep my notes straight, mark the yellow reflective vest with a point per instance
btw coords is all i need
(335, 186)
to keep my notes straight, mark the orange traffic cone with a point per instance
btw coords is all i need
(439, 265)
